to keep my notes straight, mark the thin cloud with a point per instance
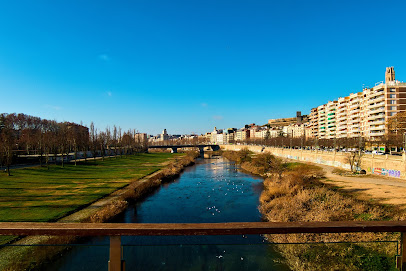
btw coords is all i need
(109, 93)
(204, 104)
(104, 57)
(217, 117)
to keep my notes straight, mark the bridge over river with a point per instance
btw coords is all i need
(174, 148)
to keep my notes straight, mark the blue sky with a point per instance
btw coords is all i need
(188, 66)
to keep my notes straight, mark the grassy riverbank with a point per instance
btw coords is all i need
(293, 193)
(130, 175)
(37, 194)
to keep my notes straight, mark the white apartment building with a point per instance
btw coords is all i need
(313, 127)
(294, 130)
(342, 128)
(331, 108)
(261, 133)
(360, 114)
(221, 138)
(322, 121)
(242, 134)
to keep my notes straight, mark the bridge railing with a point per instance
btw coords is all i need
(116, 230)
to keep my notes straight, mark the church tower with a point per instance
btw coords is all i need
(389, 74)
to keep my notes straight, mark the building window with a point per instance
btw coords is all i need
(392, 90)
(392, 102)
(393, 108)
(392, 96)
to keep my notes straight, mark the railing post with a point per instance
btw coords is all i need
(403, 250)
(115, 262)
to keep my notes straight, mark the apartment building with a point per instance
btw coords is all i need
(261, 133)
(313, 127)
(242, 134)
(141, 138)
(354, 114)
(362, 114)
(342, 109)
(331, 120)
(294, 130)
(321, 120)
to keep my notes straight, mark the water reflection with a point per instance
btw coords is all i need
(212, 191)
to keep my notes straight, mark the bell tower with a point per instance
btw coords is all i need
(389, 74)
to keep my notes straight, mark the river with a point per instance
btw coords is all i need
(211, 191)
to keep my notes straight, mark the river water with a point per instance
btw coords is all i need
(211, 191)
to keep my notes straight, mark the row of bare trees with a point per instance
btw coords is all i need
(393, 142)
(303, 142)
(23, 136)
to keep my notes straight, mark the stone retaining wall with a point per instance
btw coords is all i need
(385, 165)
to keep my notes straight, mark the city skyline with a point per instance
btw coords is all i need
(188, 67)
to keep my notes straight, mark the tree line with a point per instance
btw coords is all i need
(23, 136)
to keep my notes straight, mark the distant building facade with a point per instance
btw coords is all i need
(363, 114)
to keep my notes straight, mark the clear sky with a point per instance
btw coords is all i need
(188, 66)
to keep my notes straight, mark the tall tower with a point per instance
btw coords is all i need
(389, 74)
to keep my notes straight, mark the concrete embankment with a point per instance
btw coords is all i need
(30, 257)
(382, 165)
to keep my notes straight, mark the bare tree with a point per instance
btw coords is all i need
(354, 158)
(7, 139)
(115, 140)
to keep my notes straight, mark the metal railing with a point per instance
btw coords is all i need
(116, 230)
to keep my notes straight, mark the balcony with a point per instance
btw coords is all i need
(375, 94)
(376, 99)
(353, 112)
(377, 122)
(354, 120)
(352, 106)
(354, 100)
(377, 110)
(376, 116)
(377, 133)
(371, 106)
(380, 127)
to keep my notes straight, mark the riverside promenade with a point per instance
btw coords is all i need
(382, 188)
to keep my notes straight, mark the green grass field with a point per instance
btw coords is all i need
(37, 194)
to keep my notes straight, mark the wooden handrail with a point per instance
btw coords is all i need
(116, 230)
(233, 228)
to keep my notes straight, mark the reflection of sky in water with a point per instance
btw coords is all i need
(212, 191)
